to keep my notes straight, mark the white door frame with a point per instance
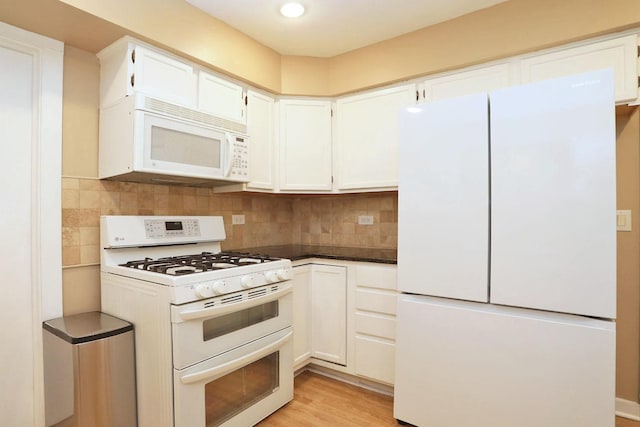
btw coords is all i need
(46, 149)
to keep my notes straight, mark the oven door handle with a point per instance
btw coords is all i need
(221, 370)
(220, 310)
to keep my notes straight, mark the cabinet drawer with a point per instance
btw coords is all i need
(377, 301)
(377, 277)
(376, 325)
(375, 359)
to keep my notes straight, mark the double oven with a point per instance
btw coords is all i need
(213, 329)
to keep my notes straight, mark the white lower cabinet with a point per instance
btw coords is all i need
(375, 321)
(344, 318)
(329, 313)
(301, 318)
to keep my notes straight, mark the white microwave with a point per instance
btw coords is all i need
(148, 140)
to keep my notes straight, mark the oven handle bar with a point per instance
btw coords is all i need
(219, 371)
(220, 310)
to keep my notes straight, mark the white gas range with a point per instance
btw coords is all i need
(213, 329)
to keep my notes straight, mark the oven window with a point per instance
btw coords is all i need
(231, 322)
(238, 390)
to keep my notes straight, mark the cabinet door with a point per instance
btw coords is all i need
(467, 82)
(619, 54)
(329, 313)
(301, 314)
(305, 145)
(367, 138)
(221, 97)
(261, 148)
(163, 77)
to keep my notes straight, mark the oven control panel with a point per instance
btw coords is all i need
(160, 228)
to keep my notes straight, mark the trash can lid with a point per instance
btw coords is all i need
(85, 327)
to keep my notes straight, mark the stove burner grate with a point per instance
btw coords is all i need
(197, 263)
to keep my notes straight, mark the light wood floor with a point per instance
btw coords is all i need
(320, 401)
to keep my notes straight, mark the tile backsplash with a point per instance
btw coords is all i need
(269, 219)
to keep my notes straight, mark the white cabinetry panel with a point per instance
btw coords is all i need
(301, 314)
(329, 313)
(305, 145)
(375, 359)
(260, 126)
(467, 82)
(221, 97)
(621, 54)
(367, 137)
(163, 77)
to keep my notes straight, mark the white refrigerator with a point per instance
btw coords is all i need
(507, 258)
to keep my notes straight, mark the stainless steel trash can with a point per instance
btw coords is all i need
(89, 371)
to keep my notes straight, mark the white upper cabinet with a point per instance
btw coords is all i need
(366, 140)
(621, 54)
(305, 145)
(260, 124)
(221, 97)
(127, 67)
(467, 82)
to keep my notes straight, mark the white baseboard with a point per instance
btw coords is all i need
(628, 409)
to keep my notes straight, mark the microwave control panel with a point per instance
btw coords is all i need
(240, 164)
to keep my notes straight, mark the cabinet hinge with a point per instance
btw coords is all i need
(246, 100)
(417, 96)
(424, 94)
(133, 79)
(332, 112)
(331, 179)
(133, 56)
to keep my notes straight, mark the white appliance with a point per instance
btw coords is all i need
(213, 330)
(150, 140)
(507, 258)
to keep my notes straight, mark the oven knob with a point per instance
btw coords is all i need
(204, 290)
(271, 276)
(284, 274)
(219, 287)
(247, 281)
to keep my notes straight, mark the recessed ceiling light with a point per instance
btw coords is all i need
(292, 10)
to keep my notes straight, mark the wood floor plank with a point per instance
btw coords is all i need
(320, 401)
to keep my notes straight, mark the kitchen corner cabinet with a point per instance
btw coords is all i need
(305, 145)
(375, 322)
(366, 140)
(329, 313)
(301, 315)
(128, 67)
(221, 98)
(462, 83)
(620, 53)
(260, 127)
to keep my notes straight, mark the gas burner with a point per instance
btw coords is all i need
(197, 263)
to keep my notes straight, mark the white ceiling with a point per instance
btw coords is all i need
(332, 27)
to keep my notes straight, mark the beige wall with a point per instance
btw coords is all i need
(507, 29)
(628, 197)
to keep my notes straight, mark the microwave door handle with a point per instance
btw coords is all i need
(221, 370)
(229, 140)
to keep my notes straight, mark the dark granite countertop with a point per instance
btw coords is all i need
(298, 252)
